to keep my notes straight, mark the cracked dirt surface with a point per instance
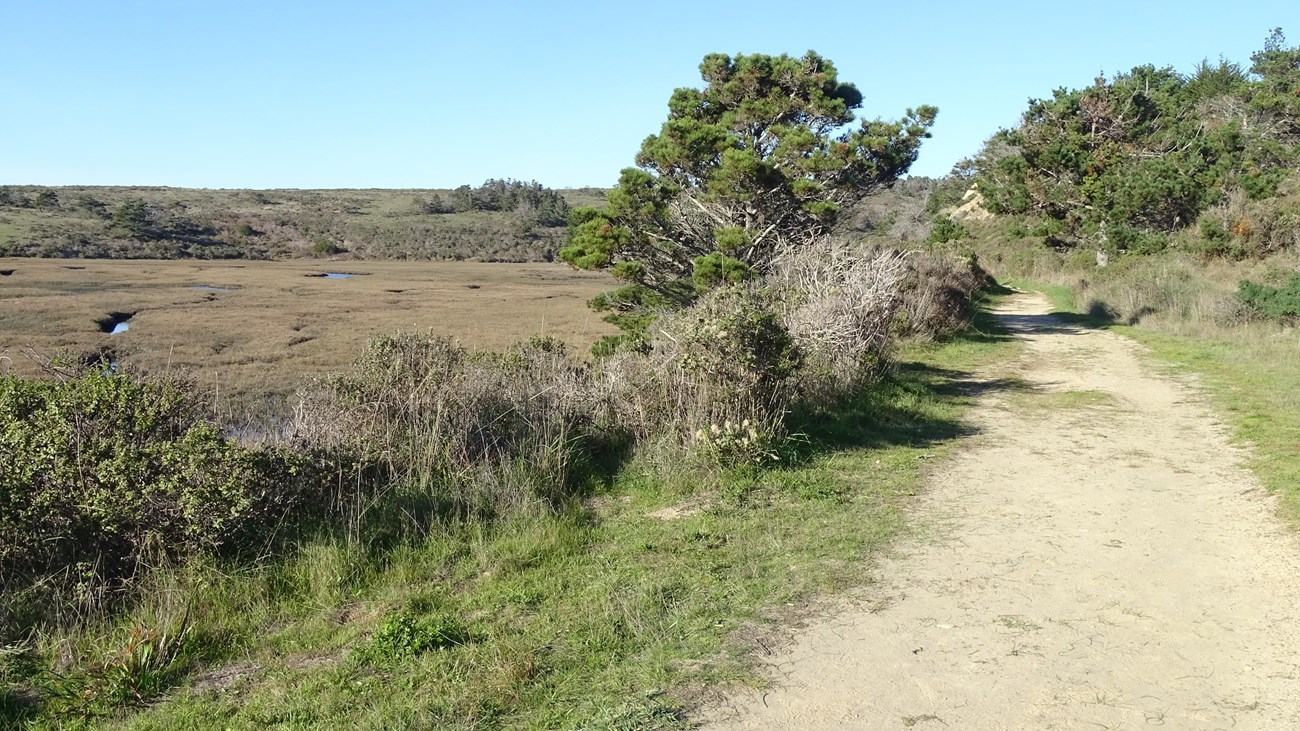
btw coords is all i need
(1106, 564)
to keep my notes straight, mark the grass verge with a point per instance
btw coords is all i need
(610, 616)
(1253, 378)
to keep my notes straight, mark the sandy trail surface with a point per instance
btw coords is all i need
(1098, 558)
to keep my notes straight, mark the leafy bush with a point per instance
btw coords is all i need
(104, 474)
(326, 247)
(1278, 303)
(944, 229)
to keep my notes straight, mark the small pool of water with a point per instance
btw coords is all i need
(338, 275)
(114, 323)
(209, 288)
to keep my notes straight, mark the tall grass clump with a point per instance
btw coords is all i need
(422, 429)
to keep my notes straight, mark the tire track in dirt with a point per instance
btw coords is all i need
(1107, 563)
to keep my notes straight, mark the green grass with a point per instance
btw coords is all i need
(605, 616)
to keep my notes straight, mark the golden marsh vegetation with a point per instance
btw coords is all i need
(255, 329)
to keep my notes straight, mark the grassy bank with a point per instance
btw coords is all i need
(1253, 378)
(614, 613)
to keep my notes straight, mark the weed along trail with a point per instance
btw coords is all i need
(1097, 557)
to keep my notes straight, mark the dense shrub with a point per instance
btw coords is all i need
(1131, 159)
(1278, 303)
(943, 229)
(104, 474)
(726, 361)
(326, 247)
(838, 302)
(938, 296)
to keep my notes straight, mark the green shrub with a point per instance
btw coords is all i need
(326, 247)
(724, 362)
(104, 474)
(1215, 237)
(1278, 303)
(1135, 240)
(134, 218)
(944, 229)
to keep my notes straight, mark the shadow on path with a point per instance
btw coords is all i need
(1056, 323)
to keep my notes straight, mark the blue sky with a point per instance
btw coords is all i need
(388, 93)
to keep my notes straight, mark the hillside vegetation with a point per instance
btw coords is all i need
(447, 537)
(501, 220)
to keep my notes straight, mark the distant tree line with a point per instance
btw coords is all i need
(502, 220)
(531, 202)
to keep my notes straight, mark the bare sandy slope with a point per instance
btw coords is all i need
(1093, 560)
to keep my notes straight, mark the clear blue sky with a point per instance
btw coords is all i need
(388, 93)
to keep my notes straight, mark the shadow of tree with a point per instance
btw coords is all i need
(1056, 323)
(904, 408)
(17, 707)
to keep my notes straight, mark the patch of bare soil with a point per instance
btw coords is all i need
(1105, 564)
(215, 681)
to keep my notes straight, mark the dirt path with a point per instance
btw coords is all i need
(1097, 559)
